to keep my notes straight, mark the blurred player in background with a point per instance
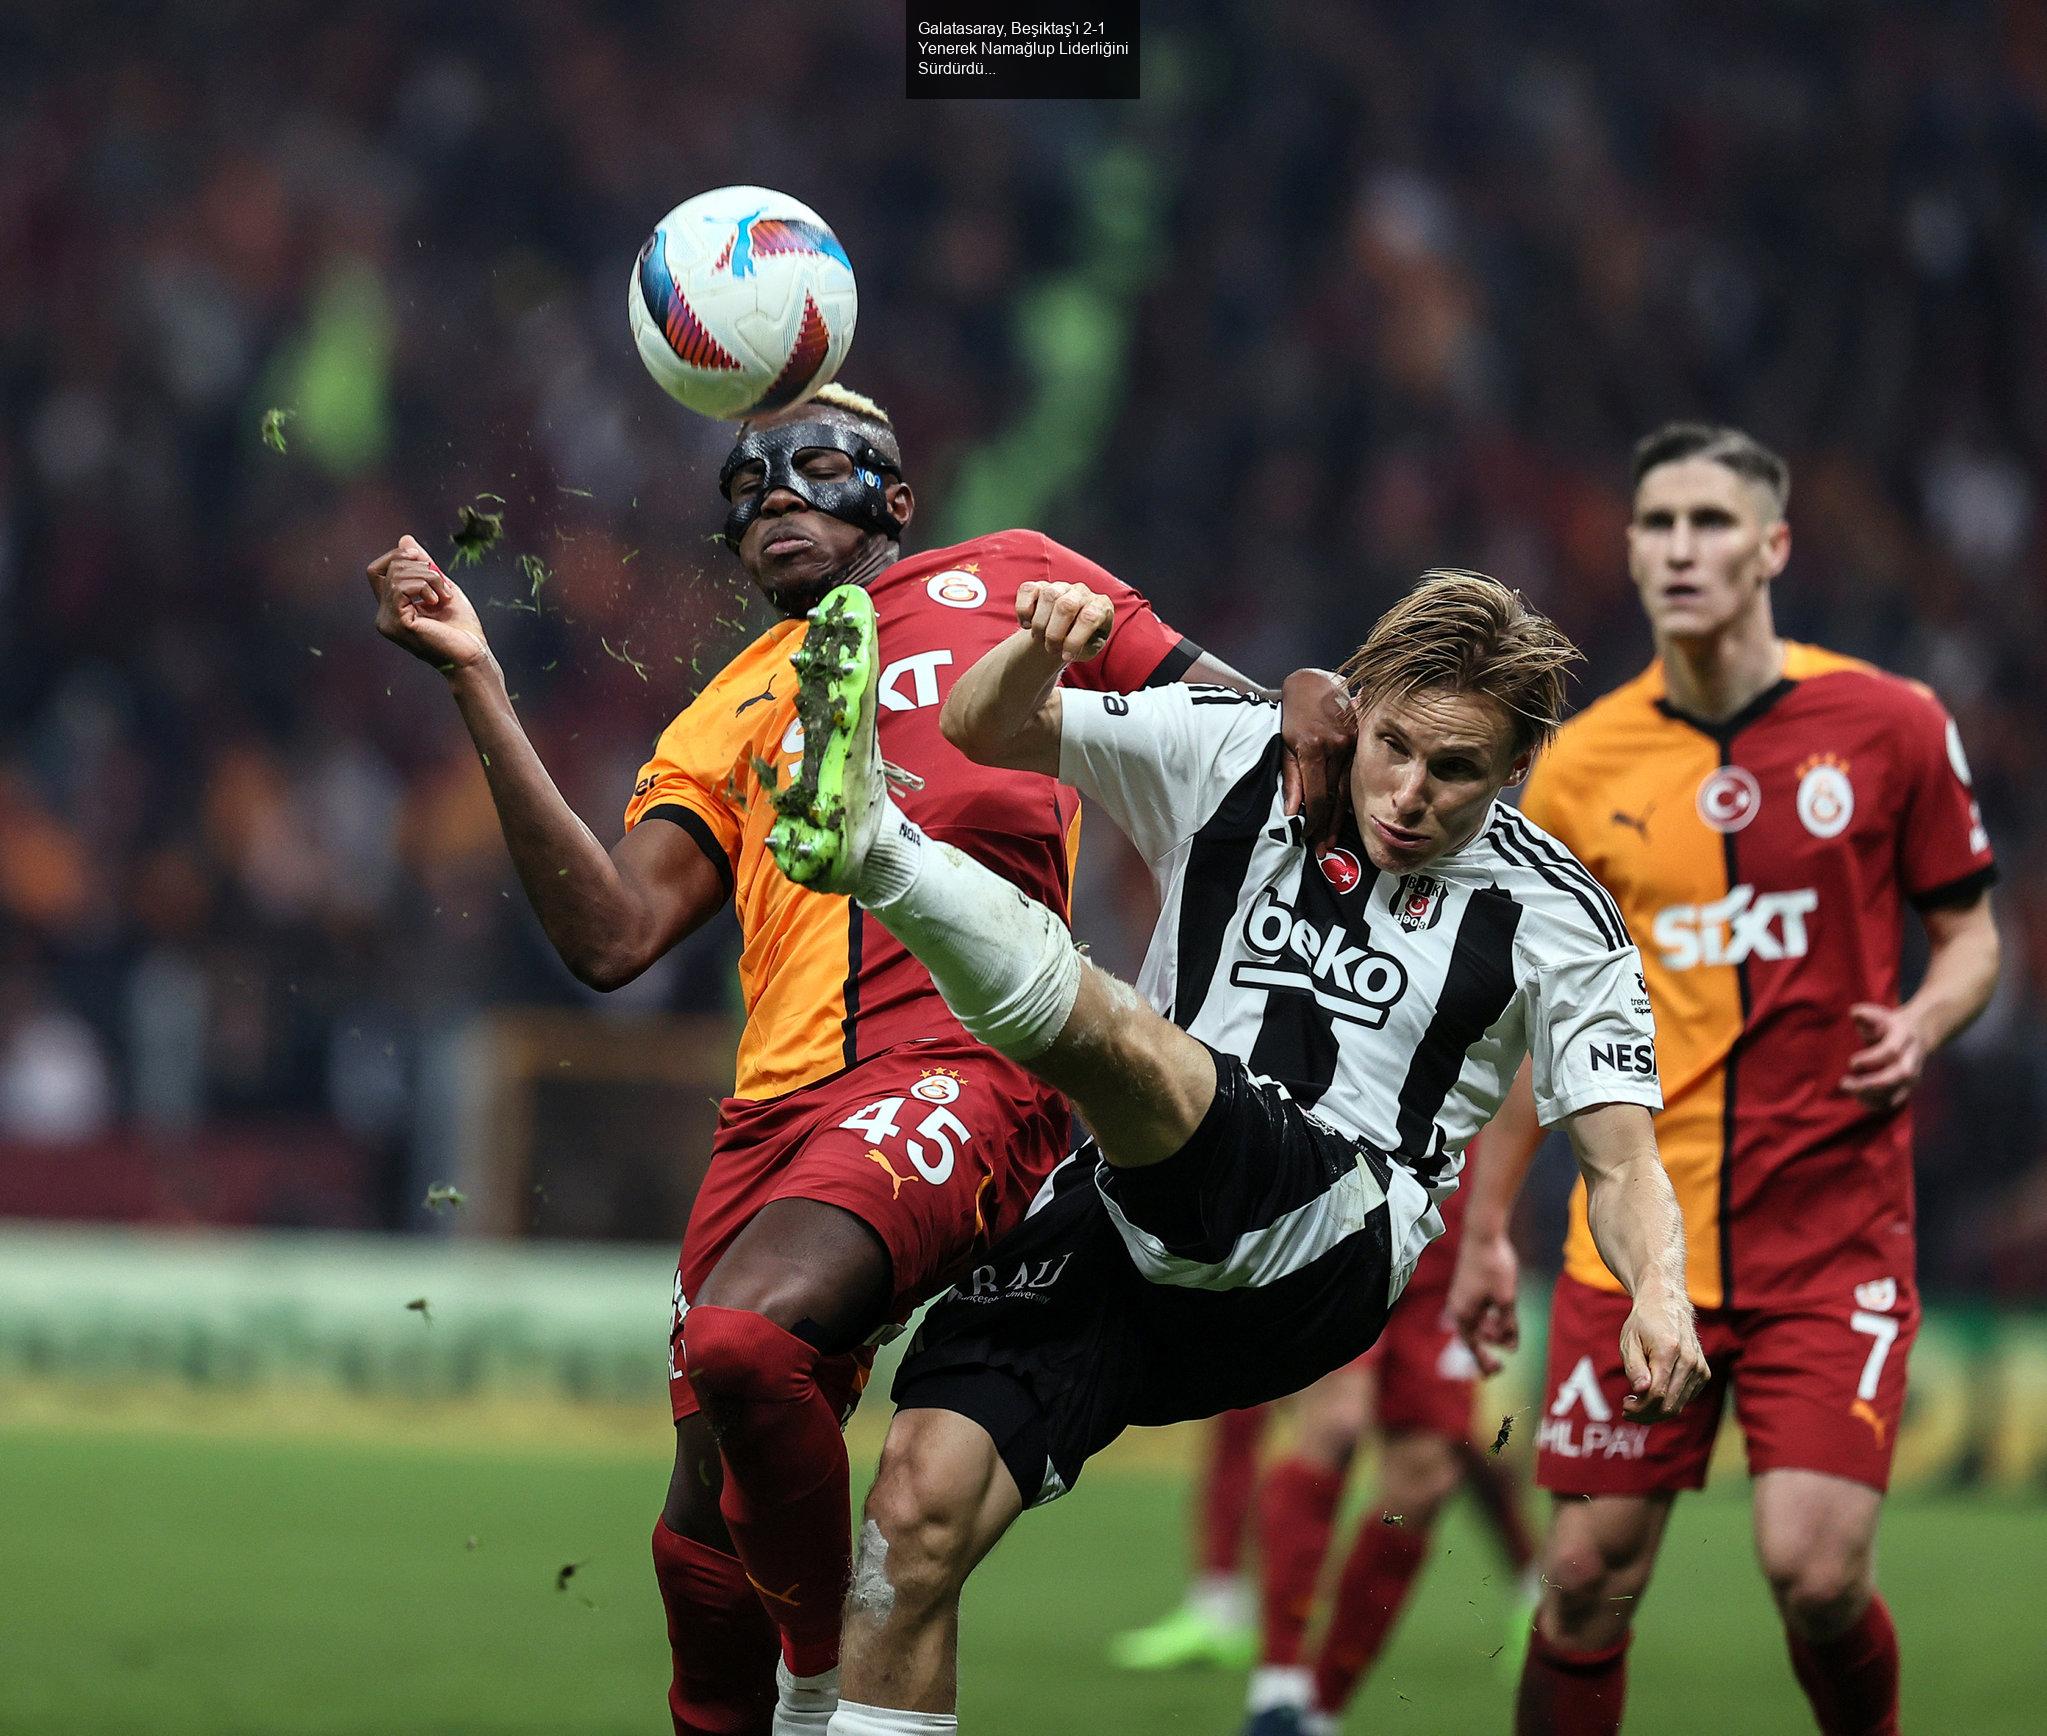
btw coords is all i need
(1763, 811)
(1217, 1621)
(1261, 1182)
(870, 1146)
(1416, 1387)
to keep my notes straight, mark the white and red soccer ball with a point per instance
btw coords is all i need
(742, 301)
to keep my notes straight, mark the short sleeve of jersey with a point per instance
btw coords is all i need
(682, 785)
(1142, 650)
(1592, 1037)
(1943, 850)
(1160, 761)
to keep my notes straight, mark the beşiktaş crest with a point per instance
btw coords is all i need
(1417, 902)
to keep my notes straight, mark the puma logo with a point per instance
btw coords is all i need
(980, 1217)
(1639, 827)
(898, 1180)
(789, 1597)
(767, 693)
(1866, 1412)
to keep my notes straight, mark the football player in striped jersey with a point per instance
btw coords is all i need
(1263, 1180)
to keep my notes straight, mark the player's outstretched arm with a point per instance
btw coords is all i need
(1641, 1236)
(1005, 710)
(1487, 1277)
(610, 914)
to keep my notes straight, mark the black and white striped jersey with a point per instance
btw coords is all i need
(1396, 1008)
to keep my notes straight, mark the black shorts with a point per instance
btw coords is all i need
(1245, 1267)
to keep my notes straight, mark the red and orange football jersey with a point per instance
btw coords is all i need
(1762, 866)
(823, 984)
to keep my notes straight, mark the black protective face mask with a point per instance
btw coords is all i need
(860, 499)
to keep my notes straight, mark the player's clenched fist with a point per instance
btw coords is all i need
(1660, 1350)
(422, 609)
(1068, 620)
(1481, 1300)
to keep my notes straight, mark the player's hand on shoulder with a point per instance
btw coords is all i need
(420, 608)
(1320, 737)
(1660, 1350)
(1481, 1307)
(1064, 619)
(1883, 1071)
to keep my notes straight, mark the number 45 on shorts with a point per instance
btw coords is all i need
(933, 1144)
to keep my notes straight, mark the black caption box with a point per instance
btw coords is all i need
(986, 48)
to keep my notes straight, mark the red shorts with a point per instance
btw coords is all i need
(1425, 1377)
(937, 1147)
(1818, 1386)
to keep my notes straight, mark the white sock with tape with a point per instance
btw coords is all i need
(856, 1720)
(1004, 963)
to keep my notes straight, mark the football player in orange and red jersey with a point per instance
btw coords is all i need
(870, 1147)
(1762, 811)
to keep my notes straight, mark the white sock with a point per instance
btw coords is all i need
(891, 865)
(803, 1704)
(1222, 1598)
(1279, 1685)
(1004, 963)
(853, 1719)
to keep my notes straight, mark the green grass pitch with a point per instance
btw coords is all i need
(193, 1586)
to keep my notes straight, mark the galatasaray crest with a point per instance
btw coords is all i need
(1826, 799)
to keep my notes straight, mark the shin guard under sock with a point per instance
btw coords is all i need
(1296, 1512)
(1852, 1681)
(785, 1499)
(721, 1639)
(1566, 1693)
(1381, 1571)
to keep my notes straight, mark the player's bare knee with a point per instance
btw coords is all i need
(718, 1347)
(1331, 1419)
(1418, 1473)
(1577, 1572)
(1596, 1571)
(915, 1545)
(1820, 1592)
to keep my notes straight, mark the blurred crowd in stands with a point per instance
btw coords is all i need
(1351, 292)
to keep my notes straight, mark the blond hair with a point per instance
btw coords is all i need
(1461, 632)
(838, 397)
(855, 410)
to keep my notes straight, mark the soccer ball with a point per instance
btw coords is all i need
(742, 302)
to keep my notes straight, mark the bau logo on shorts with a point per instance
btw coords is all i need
(1028, 1283)
(1289, 952)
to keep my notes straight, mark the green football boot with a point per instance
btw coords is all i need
(829, 812)
(1186, 1638)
